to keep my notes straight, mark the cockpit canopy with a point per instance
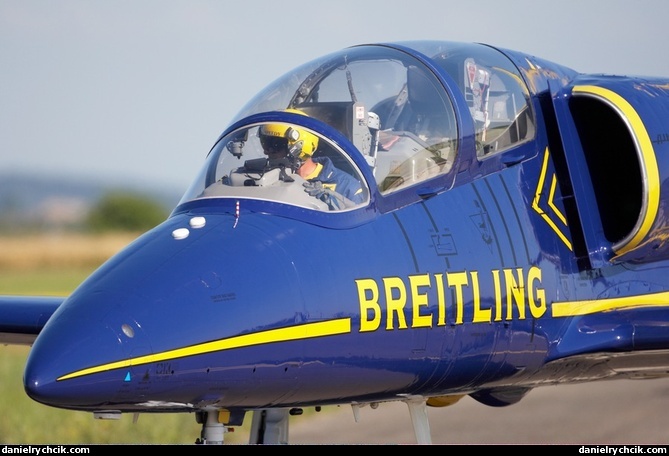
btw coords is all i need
(398, 113)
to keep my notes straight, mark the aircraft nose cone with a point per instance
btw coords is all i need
(105, 345)
(64, 347)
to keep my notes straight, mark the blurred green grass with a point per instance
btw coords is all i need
(24, 421)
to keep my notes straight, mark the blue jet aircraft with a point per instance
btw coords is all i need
(415, 221)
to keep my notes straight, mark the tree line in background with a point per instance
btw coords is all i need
(116, 210)
(120, 211)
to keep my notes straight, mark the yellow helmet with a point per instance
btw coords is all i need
(300, 143)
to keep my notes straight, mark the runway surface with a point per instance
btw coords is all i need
(606, 412)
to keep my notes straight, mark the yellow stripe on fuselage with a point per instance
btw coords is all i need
(574, 308)
(343, 326)
(291, 333)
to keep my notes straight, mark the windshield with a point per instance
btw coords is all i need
(283, 162)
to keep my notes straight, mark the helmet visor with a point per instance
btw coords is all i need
(273, 144)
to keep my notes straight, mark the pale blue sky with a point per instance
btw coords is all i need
(141, 89)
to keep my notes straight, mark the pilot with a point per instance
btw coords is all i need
(336, 188)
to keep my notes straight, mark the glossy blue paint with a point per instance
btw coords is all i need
(488, 261)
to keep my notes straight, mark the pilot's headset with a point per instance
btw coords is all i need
(301, 143)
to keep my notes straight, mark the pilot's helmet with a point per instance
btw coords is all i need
(295, 140)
